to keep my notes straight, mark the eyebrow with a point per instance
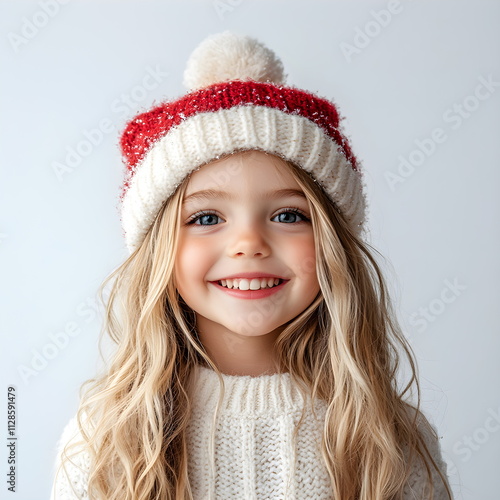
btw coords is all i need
(208, 194)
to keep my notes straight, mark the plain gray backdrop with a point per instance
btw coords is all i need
(418, 83)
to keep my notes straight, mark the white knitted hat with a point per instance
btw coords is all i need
(237, 102)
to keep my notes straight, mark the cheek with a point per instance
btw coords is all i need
(303, 254)
(192, 262)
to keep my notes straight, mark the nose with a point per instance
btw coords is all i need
(249, 241)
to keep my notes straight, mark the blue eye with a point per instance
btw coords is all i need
(210, 217)
(204, 215)
(294, 212)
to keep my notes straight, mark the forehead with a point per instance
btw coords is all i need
(210, 194)
(253, 170)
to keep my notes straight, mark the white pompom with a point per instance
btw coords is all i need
(227, 56)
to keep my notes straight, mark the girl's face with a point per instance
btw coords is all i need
(242, 215)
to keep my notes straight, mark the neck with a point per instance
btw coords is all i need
(235, 354)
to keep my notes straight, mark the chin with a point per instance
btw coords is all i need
(254, 331)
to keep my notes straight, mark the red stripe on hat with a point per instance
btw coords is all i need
(146, 128)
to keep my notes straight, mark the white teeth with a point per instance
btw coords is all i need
(253, 284)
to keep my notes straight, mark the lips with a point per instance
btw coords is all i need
(246, 293)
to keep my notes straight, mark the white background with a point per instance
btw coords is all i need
(438, 227)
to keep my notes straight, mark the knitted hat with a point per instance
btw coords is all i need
(237, 102)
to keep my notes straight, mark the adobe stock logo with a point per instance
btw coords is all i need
(454, 116)
(224, 7)
(436, 307)
(480, 436)
(363, 36)
(34, 24)
(40, 358)
(93, 137)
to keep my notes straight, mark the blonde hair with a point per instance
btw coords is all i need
(342, 349)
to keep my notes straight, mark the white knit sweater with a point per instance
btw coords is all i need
(254, 452)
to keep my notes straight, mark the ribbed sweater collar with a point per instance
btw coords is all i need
(262, 395)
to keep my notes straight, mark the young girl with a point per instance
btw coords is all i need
(257, 351)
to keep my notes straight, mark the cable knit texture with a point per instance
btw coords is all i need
(255, 457)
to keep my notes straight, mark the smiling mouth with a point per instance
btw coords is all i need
(250, 284)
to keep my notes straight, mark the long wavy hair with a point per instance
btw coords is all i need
(345, 349)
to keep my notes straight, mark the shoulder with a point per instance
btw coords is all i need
(70, 470)
(417, 486)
